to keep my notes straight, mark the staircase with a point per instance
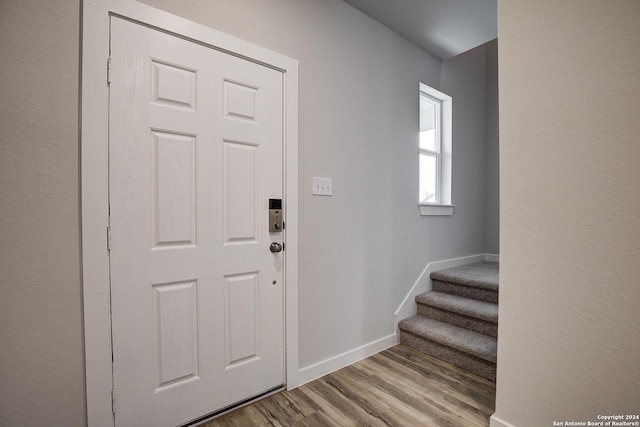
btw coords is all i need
(458, 320)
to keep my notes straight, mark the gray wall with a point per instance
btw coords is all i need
(569, 334)
(41, 362)
(360, 250)
(363, 248)
(492, 151)
(471, 79)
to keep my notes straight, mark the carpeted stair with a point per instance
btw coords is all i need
(458, 320)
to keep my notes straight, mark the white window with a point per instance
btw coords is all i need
(435, 152)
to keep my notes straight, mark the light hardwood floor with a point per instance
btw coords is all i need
(397, 387)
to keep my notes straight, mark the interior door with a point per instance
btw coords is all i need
(195, 154)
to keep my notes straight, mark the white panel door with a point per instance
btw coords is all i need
(195, 154)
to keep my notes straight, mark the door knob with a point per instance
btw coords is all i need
(275, 247)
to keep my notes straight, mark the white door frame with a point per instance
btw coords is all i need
(95, 191)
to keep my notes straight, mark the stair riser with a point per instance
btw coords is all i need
(457, 358)
(465, 291)
(460, 320)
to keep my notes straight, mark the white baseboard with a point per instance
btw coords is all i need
(492, 257)
(408, 306)
(324, 367)
(406, 309)
(497, 422)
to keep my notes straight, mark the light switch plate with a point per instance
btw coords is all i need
(322, 186)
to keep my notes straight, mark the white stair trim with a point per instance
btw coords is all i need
(408, 306)
(492, 257)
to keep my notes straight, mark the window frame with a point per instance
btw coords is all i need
(442, 153)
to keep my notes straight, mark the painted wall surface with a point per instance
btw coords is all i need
(464, 77)
(362, 249)
(492, 151)
(569, 334)
(41, 355)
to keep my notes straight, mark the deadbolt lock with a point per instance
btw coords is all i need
(276, 215)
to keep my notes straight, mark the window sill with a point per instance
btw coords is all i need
(436, 210)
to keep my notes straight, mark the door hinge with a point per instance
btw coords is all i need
(108, 237)
(108, 71)
(113, 401)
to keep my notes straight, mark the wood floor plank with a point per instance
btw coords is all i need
(431, 367)
(444, 369)
(365, 392)
(301, 402)
(332, 412)
(402, 392)
(448, 397)
(358, 389)
(247, 416)
(397, 387)
(279, 408)
(367, 396)
(479, 393)
(317, 419)
(335, 395)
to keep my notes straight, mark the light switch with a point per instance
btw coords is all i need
(322, 186)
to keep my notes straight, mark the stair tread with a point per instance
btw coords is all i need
(482, 275)
(474, 343)
(461, 305)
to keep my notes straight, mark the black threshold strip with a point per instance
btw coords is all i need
(229, 408)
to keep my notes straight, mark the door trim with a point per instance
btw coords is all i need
(94, 183)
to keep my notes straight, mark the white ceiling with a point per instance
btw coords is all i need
(444, 28)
